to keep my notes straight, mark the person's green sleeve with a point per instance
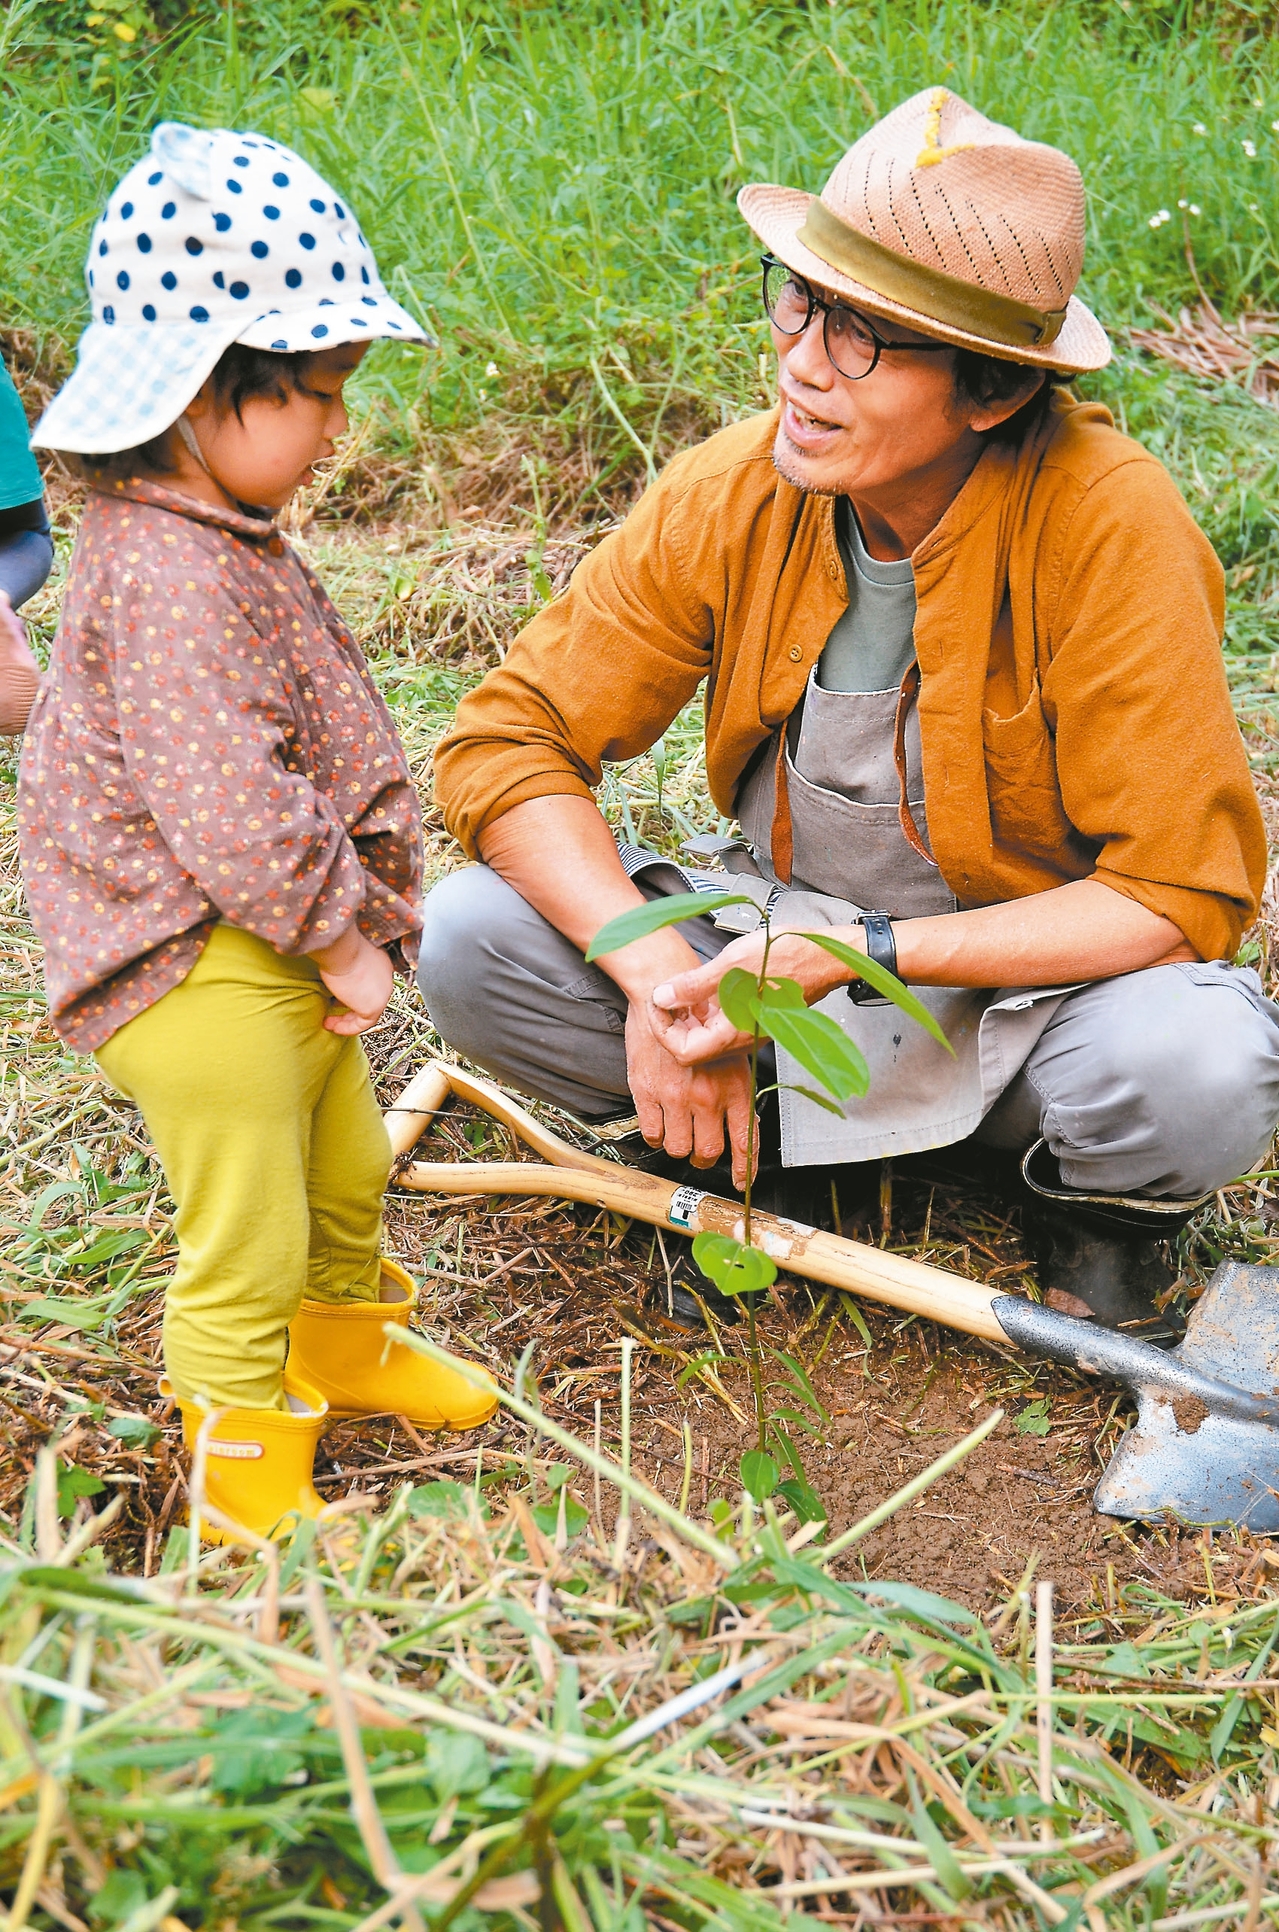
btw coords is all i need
(19, 472)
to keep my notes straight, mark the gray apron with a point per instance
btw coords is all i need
(850, 854)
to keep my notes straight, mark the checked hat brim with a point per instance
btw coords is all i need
(132, 381)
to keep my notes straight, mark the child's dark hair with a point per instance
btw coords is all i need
(240, 375)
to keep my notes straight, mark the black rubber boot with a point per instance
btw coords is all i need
(1102, 1256)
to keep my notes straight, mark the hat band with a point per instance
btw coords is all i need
(929, 291)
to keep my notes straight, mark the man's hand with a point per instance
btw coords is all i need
(559, 855)
(687, 1110)
(686, 1012)
(360, 977)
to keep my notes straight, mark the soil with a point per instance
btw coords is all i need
(502, 1273)
(1022, 1497)
(1190, 1413)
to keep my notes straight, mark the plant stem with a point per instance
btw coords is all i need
(752, 1333)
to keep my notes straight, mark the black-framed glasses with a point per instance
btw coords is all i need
(852, 341)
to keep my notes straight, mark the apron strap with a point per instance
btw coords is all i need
(782, 840)
(906, 697)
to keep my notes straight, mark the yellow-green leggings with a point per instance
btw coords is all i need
(275, 1154)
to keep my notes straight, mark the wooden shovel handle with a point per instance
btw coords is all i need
(429, 1091)
(576, 1176)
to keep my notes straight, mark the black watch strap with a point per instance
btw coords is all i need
(881, 947)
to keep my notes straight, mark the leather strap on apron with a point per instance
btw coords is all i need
(783, 835)
(906, 697)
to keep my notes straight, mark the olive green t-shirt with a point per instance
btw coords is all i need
(872, 644)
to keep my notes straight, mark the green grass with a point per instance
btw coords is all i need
(553, 184)
(551, 187)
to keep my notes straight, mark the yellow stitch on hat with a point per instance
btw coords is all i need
(932, 151)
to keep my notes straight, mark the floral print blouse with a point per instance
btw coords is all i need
(207, 745)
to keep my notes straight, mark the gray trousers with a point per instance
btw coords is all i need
(1163, 1082)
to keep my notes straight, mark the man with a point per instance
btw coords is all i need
(965, 697)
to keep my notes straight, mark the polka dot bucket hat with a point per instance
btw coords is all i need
(214, 238)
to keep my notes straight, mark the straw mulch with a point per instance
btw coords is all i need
(215, 1785)
(460, 1710)
(1200, 341)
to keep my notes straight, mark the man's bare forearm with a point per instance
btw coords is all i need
(1081, 931)
(560, 856)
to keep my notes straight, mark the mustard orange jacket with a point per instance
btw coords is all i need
(1074, 710)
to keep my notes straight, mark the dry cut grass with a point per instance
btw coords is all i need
(892, 1720)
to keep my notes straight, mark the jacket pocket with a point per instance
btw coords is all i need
(1026, 812)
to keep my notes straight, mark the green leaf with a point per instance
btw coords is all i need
(782, 1445)
(1223, 1729)
(1147, 1845)
(133, 1430)
(804, 1500)
(803, 1387)
(732, 1266)
(908, 1597)
(883, 981)
(694, 1611)
(1034, 1419)
(257, 1749)
(642, 920)
(547, 1516)
(446, 1499)
(758, 1473)
(698, 1363)
(74, 1483)
(821, 1047)
(1023, 1804)
(942, 1858)
(65, 1309)
(800, 1420)
(119, 1895)
(738, 996)
(108, 1246)
(818, 1099)
(455, 1763)
(858, 1320)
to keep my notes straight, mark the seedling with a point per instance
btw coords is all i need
(765, 1006)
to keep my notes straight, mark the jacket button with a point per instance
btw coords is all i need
(794, 654)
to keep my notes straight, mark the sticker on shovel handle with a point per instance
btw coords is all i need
(685, 1202)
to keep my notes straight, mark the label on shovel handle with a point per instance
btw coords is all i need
(685, 1202)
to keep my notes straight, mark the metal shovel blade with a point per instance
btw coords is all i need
(1205, 1445)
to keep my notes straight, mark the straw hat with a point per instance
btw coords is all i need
(951, 224)
(214, 238)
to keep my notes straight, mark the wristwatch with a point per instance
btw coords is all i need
(882, 948)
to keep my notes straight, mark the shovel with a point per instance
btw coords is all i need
(1205, 1446)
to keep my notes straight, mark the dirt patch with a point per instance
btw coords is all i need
(1190, 1413)
(893, 1405)
(894, 1393)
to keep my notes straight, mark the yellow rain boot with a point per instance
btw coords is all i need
(259, 1461)
(340, 1349)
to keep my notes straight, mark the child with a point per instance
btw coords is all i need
(219, 833)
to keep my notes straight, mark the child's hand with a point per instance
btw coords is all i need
(19, 672)
(360, 977)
